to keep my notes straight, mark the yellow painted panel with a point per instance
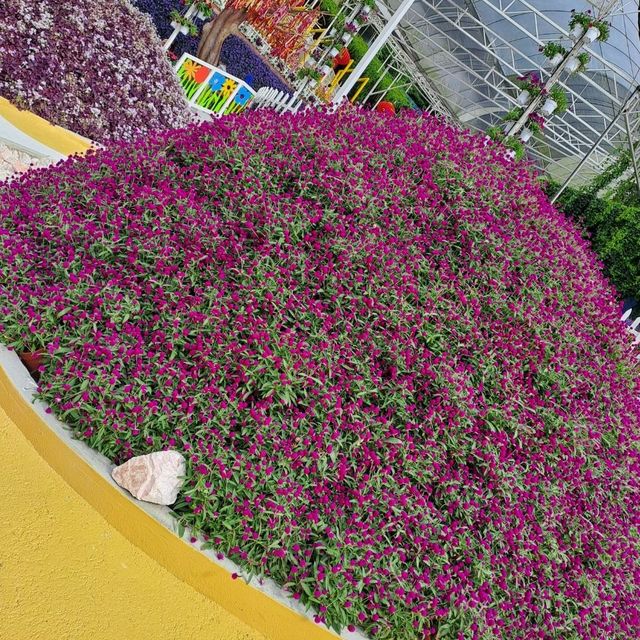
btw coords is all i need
(71, 564)
(52, 136)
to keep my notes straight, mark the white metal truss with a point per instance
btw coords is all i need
(471, 51)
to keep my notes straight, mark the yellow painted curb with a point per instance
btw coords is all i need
(50, 135)
(256, 609)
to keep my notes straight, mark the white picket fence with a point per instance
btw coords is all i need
(270, 98)
(634, 327)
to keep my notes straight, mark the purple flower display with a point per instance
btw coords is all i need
(244, 63)
(95, 68)
(237, 55)
(396, 370)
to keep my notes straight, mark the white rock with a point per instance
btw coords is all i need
(154, 477)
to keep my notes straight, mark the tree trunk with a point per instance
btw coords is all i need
(215, 33)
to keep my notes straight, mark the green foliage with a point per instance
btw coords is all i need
(552, 48)
(557, 94)
(584, 59)
(612, 221)
(332, 9)
(514, 114)
(307, 72)
(357, 48)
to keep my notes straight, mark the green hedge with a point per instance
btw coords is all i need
(612, 221)
(357, 48)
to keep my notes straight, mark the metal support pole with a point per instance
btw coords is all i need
(580, 164)
(376, 45)
(634, 160)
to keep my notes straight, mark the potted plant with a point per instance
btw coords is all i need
(367, 6)
(556, 101)
(512, 116)
(554, 52)
(529, 86)
(334, 52)
(582, 22)
(577, 64)
(532, 127)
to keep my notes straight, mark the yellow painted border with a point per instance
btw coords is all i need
(50, 135)
(253, 607)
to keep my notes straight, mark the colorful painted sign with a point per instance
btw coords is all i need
(210, 89)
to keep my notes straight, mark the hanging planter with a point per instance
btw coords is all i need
(325, 70)
(525, 134)
(593, 33)
(333, 32)
(556, 60)
(549, 106)
(523, 98)
(366, 10)
(554, 52)
(576, 32)
(347, 38)
(334, 52)
(583, 23)
(310, 63)
(573, 64)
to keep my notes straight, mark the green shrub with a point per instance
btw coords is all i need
(612, 221)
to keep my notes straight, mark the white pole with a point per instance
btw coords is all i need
(376, 45)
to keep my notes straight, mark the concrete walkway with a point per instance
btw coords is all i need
(66, 574)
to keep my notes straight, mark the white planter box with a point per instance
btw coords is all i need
(549, 107)
(577, 31)
(334, 52)
(510, 155)
(507, 126)
(366, 10)
(572, 64)
(347, 38)
(201, 16)
(556, 60)
(313, 83)
(333, 32)
(525, 134)
(325, 70)
(593, 33)
(310, 62)
(523, 98)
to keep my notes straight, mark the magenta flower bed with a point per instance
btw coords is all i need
(96, 68)
(397, 373)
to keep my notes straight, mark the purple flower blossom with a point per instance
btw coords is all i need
(95, 68)
(396, 371)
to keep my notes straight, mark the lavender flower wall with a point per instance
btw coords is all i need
(397, 372)
(96, 68)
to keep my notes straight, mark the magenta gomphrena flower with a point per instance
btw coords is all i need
(396, 372)
(97, 68)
